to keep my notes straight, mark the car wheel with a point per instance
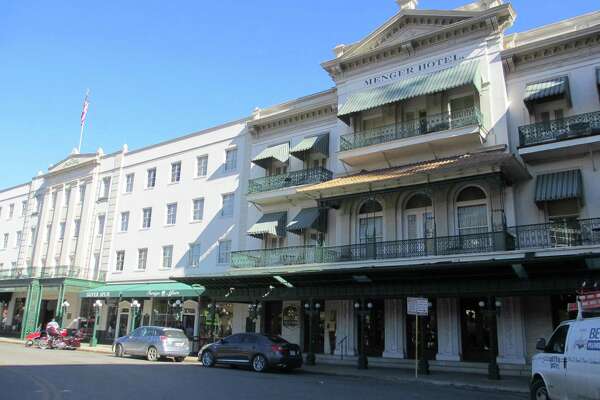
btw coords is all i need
(119, 351)
(208, 359)
(179, 359)
(152, 354)
(259, 363)
(539, 391)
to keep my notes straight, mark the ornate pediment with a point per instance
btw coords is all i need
(74, 160)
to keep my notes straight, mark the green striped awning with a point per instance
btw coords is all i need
(280, 152)
(144, 290)
(307, 218)
(269, 224)
(559, 186)
(314, 144)
(466, 73)
(546, 90)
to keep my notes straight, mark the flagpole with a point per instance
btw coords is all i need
(87, 93)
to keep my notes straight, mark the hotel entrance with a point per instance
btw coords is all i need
(374, 332)
(475, 331)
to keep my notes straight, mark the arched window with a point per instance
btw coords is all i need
(472, 211)
(370, 222)
(418, 214)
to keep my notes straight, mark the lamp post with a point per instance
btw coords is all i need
(490, 311)
(135, 308)
(254, 310)
(64, 307)
(177, 306)
(362, 309)
(312, 309)
(97, 307)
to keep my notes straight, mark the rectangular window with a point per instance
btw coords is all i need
(224, 251)
(198, 212)
(167, 259)
(151, 181)
(101, 220)
(176, 172)
(61, 231)
(201, 166)
(105, 188)
(81, 193)
(23, 208)
(32, 240)
(195, 254)
(472, 219)
(5, 244)
(11, 211)
(124, 221)
(171, 214)
(129, 179)
(77, 228)
(230, 159)
(227, 210)
(54, 197)
(67, 197)
(142, 258)
(146, 217)
(19, 238)
(120, 260)
(48, 232)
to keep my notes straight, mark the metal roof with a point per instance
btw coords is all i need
(280, 152)
(559, 186)
(269, 224)
(307, 218)
(317, 144)
(547, 88)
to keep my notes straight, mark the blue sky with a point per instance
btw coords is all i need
(159, 69)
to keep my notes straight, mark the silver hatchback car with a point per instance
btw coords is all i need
(154, 342)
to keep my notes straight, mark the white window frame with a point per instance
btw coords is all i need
(151, 178)
(6, 239)
(231, 159)
(120, 261)
(101, 221)
(11, 210)
(124, 223)
(76, 227)
(105, 192)
(62, 227)
(202, 161)
(129, 182)
(167, 255)
(470, 203)
(146, 221)
(142, 264)
(23, 208)
(199, 200)
(81, 194)
(193, 262)
(224, 257)
(171, 214)
(176, 172)
(19, 238)
(228, 195)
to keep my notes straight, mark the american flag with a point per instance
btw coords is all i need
(85, 109)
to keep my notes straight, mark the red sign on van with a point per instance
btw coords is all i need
(589, 301)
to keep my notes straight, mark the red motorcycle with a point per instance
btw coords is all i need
(33, 338)
(61, 341)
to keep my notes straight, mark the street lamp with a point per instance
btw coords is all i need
(64, 307)
(254, 310)
(362, 309)
(97, 307)
(490, 314)
(135, 308)
(312, 309)
(177, 306)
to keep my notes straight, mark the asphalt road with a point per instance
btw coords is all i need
(27, 373)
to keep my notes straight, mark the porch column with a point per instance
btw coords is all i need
(511, 331)
(395, 329)
(448, 326)
(345, 326)
(11, 309)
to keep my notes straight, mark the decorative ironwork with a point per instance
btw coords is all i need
(61, 271)
(294, 178)
(560, 129)
(566, 233)
(420, 126)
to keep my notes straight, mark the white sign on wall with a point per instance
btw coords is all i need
(417, 306)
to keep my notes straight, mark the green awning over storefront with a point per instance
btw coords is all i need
(314, 144)
(467, 72)
(265, 158)
(269, 224)
(559, 186)
(546, 90)
(307, 218)
(164, 289)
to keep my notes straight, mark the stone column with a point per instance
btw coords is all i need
(345, 326)
(448, 327)
(511, 332)
(395, 329)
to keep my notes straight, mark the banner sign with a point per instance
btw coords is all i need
(417, 306)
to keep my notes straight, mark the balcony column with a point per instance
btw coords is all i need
(395, 329)
(511, 331)
(448, 327)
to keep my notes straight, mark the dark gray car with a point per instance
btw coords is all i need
(154, 342)
(258, 351)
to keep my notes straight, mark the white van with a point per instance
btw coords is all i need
(569, 365)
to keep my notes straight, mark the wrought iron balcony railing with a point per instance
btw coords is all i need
(48, 272)
(416, 127)
(294, 178)
(539, 236)
(560, 129)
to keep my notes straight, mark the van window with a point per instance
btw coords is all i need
(557, 342)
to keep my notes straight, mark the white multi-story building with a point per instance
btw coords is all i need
(449, 161)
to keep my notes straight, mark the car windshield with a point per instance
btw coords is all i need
(276, 339)
(174, 333)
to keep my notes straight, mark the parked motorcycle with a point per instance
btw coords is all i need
(63, 341)
(33, 338)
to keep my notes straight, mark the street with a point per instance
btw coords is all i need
(29, 373)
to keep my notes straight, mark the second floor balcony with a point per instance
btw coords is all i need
(573, 133)
(288, 180)
(61, 271)
(560, 235)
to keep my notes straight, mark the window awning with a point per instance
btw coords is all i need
(547, 90)
(314, 144)
(269, 224)
(307, 218)
(562, 185)
(265, 158)
(467, 72)
(143, 290)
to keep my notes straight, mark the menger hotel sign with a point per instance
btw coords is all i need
(415, 69)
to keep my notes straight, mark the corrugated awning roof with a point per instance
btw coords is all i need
(269, 224)
(142, 290)
(307, 218)
(472, 163)
(265, 158)
(546, 89)
(314, 144)
(559, 186)
(467, 72)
